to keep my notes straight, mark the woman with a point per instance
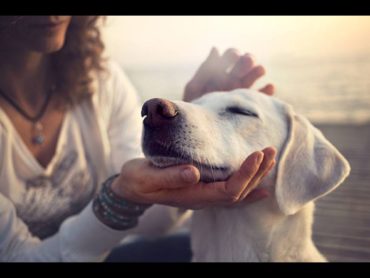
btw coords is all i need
(69, 121)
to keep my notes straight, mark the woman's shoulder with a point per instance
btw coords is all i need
(114, 92)
(114, 78)
(113, 85)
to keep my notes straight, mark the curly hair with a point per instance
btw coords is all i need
(80, 55)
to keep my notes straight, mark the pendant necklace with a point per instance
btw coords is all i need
(37, 128)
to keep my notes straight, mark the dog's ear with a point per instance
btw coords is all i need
(309, 165)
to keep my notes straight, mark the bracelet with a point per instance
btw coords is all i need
(115, 211)
(109, 196)
(112, 220)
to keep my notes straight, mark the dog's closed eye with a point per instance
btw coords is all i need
(240, 111)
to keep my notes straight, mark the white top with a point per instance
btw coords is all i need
(46, 214)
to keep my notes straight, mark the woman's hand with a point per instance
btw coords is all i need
(225, 73)
(179, 186)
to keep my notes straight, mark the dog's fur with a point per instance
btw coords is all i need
(216, 133)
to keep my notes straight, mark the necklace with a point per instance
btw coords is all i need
(37, 136)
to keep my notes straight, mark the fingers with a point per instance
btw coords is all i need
(210, 194)
(228, 59)
(196, 86)
(240, 183)
(241, 186)
(206, 69)
(255, 73)
(191, 197)
(220, 77)
(245, 73)
(269, 89)
(242, 67)
(225, 72)
(173, 177)
(179, 185)
(241, 178)
(266, 165)
(164, 186)
(142, 182)
(161, 178)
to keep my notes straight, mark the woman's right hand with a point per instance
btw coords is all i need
(179, 186)
(226, 72)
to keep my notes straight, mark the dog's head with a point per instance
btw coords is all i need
(218, 131)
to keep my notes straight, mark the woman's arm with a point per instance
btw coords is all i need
(80, 238)
(83, 237)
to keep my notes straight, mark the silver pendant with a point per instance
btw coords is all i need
(37, 137)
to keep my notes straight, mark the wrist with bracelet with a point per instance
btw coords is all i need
(115, 211)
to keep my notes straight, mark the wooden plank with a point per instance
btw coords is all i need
(342, 219)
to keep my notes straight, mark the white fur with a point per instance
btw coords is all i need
(277, 228)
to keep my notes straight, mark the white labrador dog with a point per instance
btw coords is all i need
(216, 133)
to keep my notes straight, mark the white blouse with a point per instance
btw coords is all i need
(45, 213)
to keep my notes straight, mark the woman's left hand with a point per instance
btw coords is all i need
(230, 71)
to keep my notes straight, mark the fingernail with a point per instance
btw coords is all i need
(260, 70)
(188, 175)
(259, 157)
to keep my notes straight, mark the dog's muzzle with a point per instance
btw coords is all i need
(159, 113)
(167, 139)
(162, 125)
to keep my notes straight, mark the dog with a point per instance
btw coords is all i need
(216, 133)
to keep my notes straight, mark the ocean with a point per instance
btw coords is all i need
(332, 91)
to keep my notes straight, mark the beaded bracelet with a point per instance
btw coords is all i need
(115, 211)
(109, 196)
(112, 220)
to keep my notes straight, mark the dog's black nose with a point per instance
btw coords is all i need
(159, 112)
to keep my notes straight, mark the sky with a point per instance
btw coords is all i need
(186, 40)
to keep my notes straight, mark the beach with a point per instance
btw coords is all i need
(342, 218)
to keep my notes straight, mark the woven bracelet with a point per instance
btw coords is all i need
(115, 211)
(119, 203)
(111, 220)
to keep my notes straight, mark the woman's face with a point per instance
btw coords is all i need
(44, 34)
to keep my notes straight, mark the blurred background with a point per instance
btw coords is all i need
(319, 64)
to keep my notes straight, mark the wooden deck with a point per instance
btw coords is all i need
(342, 218)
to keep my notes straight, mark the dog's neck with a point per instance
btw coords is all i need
(256, 232)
